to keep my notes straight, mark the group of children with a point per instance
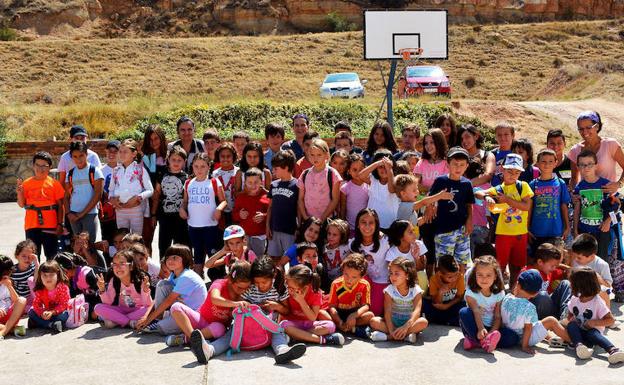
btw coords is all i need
(376, 243)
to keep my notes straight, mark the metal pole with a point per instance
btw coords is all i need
(389, 87)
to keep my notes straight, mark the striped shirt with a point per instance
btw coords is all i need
(20, 280)
(256, 297)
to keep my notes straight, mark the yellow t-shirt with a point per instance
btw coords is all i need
(512, 221)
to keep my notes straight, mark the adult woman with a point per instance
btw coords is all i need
(192, 146)
(446, 123)
(380, 137)
(609, 153)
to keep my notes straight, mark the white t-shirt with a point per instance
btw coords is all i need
(66, 163)
(486, 304)
(378, 267)
(226, 177)
(394, 252)
(333, 258)
(600, 266)
(517, 312)
(153, 269)
(201, 203)
(5, 298)
(385, 203)
(402, 305)
(585, 311)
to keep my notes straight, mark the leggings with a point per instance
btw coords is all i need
(467, 322)
(120, 315)
(217, 329)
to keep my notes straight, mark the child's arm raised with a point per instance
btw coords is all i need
(310, 312)
(387, 163)
(431, 199)
(364, 175)
(217, 259)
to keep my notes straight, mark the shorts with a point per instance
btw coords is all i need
(454, 243)
(399, 320)
(512, 250)
(538, 333)
(343, 314)
(5, 319)
(309, 325)
(279, 243)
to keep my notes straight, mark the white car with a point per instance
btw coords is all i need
(342, 85)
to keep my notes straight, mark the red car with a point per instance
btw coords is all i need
(421, 80)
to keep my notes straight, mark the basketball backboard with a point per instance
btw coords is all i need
(386, 32)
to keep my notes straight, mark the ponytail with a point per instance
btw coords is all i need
(303, 275)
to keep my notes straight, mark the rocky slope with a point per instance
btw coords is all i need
(113, 18)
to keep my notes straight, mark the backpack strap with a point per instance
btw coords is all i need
(304, 175)
(215, 189)
(519, 188)
(70, 179)
(330, 179)
(92, 175)
(117, 287)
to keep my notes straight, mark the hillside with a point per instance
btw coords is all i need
(48, 84)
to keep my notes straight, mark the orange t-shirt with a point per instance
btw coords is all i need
(41, 193)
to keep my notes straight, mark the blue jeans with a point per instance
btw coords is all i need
(442, 317)
(46, 324)
(589, 337)
(467, 322)
(555, 304)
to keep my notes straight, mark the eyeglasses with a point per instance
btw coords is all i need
(587, 128)
(120, 265)
(586, 165)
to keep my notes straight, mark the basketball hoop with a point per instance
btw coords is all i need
(407, 53)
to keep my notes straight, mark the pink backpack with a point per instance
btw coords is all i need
(252, 329)
(78, 310)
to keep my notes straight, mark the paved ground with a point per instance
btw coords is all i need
(92, 355)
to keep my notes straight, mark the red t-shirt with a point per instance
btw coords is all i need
(253, 204)
(312, 298)
(301, 165)
(341, 297)
(214, 313)
(550, 281)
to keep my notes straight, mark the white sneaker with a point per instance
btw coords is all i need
(583, 352)
(378, 336)
(411, 338)
(175, 340)
(616, 356)
(616, 325)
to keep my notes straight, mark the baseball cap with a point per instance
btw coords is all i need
(513, 162)
(77, 130)
(530, 281)
(457, 153)
(233, 231)
(113, 143)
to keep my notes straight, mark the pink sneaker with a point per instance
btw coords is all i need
(470, 344)
(489, 342)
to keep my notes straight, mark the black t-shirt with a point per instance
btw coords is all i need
(284, 195)
(452, 214)
(172, 192)
(564, 170)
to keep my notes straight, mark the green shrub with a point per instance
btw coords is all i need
(338, 23)
(7, 34)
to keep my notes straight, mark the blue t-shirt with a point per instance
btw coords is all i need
(487, 305)
(284, 196)
(291, 253)
(500, 155)
(592, 212)
(546, 218)
(295, 147)
(268, 159)
(82, 191)
(452, 214)
(191, 288)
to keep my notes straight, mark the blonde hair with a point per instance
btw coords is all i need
(402, 181)
(320, 144)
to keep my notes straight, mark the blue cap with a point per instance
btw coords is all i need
(514, 162)
(233, 231)
(77, 130)
(530, 281)
(591, 115)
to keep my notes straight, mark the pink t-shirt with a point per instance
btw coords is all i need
(214, 313)
(430, 171)
(128, 296)
(357, 199)
(317, 190)
(592, 309)
(606, 157)
(479, 210)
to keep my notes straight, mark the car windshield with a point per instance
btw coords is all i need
(335, 78)
(421, 72)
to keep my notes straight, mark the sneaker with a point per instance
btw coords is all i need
(583, 352)
(132, 324)
(56, 327)
(108, 324)
(175, 340)
(289, 353)
(202, 349)
(616, 325)
(151, 328)
(335, 339)
(556, 342)
(411, 338)
(378, 336)
(19, 331)
(490, 341)
(361, 331)
(616, 356)
(470, 344)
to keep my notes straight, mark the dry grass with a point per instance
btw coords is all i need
(46, 84)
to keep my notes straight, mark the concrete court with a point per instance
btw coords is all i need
(91, 355)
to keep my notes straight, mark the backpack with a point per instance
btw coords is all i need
(329, 180)
(213, 181)
(252, 329)
(78, 310)
(499, 188)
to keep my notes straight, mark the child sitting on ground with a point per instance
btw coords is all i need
(49, 310)
(11, 305)
(583, 252)
(25, 272)
(446, 293)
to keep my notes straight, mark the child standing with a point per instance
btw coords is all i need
(283, 198)
(130, 188)
(319, 186)
(504, 134)
(410, 135)
(380, 137)
(252, 158)
(373, 244)
(250, 210)
(203, 203)
(402, 305)
(108, 222)
(453, 223)
(234, 249)
(514, 202)
(167, 200)
(446, 293)
(226, 157)
(126, 298)
(211, 141)
(339, 160)
(481, 319)
(381, 194)
(519, 314)
(25, 272)
(83, 192)
(349, 297)
(336, 247)
(274, 133)
(11, 305)
(154, 160)
(304, 163)
(49, 310)
(353, 193)
(565, 168)
(588, 316)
